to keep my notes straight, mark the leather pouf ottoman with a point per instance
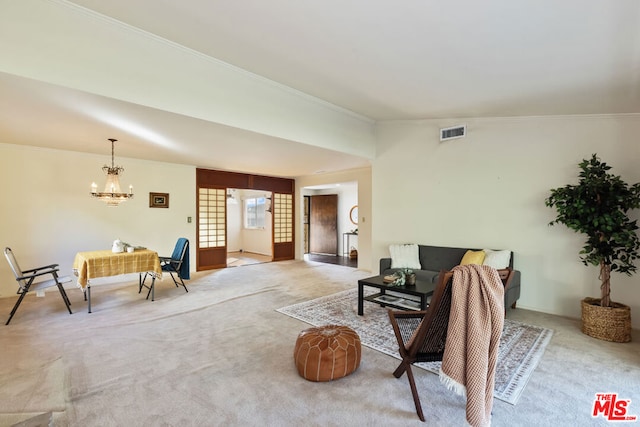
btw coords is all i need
(327, 352)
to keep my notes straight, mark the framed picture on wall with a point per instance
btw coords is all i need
(158, 200)
(353, 214)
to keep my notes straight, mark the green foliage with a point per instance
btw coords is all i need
(400, 278)
(598, 207)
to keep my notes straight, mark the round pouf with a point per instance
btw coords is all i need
(327, 352)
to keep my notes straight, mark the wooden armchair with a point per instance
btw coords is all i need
(422, 335)
(506, 275)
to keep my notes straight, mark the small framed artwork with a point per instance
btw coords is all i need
(158, 200)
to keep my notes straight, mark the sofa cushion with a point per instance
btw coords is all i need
(472, 257)
(404, 256)
(427, 275)
(497, 259)
(436, 258)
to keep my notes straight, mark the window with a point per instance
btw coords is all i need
(254, 212)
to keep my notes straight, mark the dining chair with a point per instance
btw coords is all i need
(26, 280)
(177, 265)
(422, 335)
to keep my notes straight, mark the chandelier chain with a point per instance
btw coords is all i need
(114, 170)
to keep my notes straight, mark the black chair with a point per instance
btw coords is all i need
(422, 335)
(26, 280)
(177, 265)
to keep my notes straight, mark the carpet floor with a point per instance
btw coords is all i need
(220, 355)
(521, 347)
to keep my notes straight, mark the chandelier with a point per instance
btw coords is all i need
(111, 194)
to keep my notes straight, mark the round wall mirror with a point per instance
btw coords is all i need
(353, 214)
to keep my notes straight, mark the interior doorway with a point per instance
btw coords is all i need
(240, 259)
(211, 214)
(249, 227)
(345, 230)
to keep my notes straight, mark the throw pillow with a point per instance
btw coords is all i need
(472, 257)
(405, 256)
(497, 259)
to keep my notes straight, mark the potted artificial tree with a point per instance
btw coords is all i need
(598, 207)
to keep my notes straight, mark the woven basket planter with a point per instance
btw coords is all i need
(606, 323)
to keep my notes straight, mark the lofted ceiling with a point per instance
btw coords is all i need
(374, 60)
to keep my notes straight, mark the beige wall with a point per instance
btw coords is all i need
(48, 215)
(488, 190)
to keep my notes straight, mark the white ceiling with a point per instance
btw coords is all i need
(406, 59)
(46, 115)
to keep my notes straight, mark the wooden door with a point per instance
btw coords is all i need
(212, 228)
(323, 224)
(306, 224)
(283, 242)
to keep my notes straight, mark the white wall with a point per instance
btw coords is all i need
(488, 190)
(362, 178)
(48, 214)
(234, 225)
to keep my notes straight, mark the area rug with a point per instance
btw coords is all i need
(521, 345)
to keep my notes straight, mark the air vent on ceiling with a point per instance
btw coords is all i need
(453, 132)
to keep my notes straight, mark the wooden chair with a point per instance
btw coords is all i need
(422, 335)
(26, 280)
(506, 275)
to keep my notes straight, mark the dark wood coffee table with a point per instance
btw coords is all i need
(421, 289)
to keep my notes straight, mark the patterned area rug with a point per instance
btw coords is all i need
(521, 345)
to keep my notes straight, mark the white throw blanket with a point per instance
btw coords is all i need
(475, 327)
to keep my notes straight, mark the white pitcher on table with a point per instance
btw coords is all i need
(118, 246)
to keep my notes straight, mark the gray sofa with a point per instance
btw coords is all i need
(436, 258)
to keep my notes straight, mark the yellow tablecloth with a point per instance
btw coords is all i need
(92, 264)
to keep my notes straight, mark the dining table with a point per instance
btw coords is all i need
(90, 265)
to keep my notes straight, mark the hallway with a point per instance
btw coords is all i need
(238, 259)
(332, 259)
